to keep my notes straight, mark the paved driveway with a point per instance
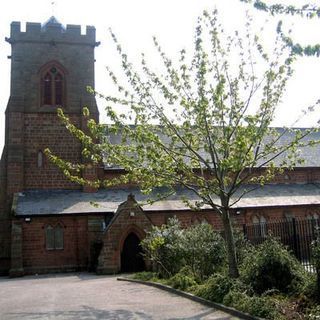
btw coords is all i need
(84, 296)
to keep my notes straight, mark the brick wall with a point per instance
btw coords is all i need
(120, 227)
(37, 259)
(278, 213)
(44, 130)
(81, 232)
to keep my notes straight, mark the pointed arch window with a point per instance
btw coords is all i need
(53, 86)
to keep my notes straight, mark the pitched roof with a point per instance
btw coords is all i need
(52, 21)
(310, 154)
(39, 202)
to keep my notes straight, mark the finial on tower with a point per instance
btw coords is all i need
(53, 8)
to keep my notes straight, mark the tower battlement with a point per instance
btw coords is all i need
(52, 31)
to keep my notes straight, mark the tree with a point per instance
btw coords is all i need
(203, 124)
(307, 10)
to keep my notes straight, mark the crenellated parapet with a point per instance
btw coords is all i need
(52, 32)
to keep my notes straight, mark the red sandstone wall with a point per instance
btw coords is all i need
(187, 218)
(46, 130)
(280, 213)
(79, 235)
(74, 255)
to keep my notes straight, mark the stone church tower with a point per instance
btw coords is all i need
(51, 66)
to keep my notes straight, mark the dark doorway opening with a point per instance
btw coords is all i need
(131, 255)
(95, 252)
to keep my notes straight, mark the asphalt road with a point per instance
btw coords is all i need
(85, 296)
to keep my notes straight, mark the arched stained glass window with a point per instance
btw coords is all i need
(47, 92)
(58, 88)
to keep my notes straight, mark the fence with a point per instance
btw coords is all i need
(296, 234)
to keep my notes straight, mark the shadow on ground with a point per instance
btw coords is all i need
(89, 313)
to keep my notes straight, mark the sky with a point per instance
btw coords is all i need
(173, 22)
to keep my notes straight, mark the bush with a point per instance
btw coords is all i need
(170, 248)
(271, 266)
(218, 286)
(313, 313)
(244, 247)
(309, 287)
(183, 280)
(262, 307)
(162, 246)
(203, 250)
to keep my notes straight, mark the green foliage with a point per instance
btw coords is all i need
(183, 280)
(313, 313)
(315, 250)
(218, 286)
(308, 289)
(203, 250)
(271, 266)
(199, 248)
(262, 307)
(307, 10)
(145, 276)
(162, 246)
(244, 247)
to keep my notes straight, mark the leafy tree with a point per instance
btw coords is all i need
(307, 10)
(202, 123)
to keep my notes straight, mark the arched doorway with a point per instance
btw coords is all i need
(131, 254)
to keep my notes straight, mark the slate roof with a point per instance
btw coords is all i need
(77, 202)
(52, 21)
(311, 155)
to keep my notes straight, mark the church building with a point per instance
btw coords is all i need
(47, 223)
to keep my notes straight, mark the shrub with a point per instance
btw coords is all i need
(182, 281)
(203, 250)
(145, 276)
(262, 307)
(170, 248)
(315, 251)
(218, 286)
(271, 266)
(162, 246)
(309, 287)
(244, 247)
(313, 313)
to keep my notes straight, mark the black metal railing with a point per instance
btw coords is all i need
(295, 234)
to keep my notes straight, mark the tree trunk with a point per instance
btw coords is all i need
(231, 249)
(318, 283)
